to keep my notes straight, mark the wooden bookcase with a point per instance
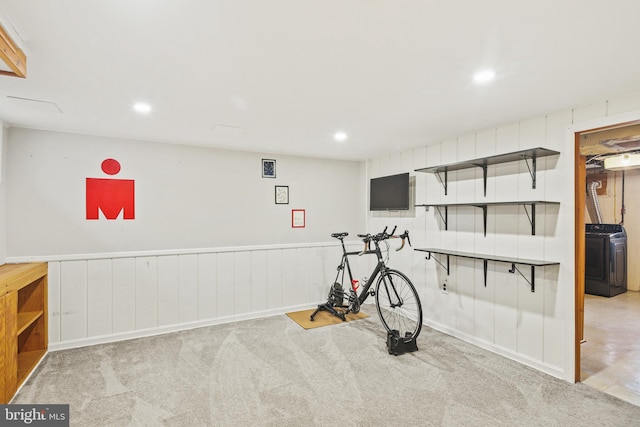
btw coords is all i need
(23, 323)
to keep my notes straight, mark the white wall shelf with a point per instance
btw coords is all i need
(532, 154)
(532, 263)
(484, 205)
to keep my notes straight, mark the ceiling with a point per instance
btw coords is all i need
(612, 141)
(282, 76)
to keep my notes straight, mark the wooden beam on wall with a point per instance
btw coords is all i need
(12, 55)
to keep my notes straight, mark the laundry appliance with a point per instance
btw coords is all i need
(606, 259)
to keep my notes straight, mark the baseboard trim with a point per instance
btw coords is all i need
(502, 351)
(143, 333)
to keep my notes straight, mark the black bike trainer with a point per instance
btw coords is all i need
(399, 345)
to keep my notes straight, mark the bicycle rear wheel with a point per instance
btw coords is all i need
(398, 304)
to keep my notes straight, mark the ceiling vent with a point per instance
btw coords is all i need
(35, 104)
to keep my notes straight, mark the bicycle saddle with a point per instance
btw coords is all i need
(339, 235)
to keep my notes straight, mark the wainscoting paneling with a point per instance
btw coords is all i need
(119, 296)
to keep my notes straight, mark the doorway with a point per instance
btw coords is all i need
(607, 344)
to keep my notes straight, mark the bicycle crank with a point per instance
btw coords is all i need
(354, 307)
(336, 295)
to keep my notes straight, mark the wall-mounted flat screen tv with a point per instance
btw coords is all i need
(389, 193)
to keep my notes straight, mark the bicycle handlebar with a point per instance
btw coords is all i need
(403, 236)
(366, 238)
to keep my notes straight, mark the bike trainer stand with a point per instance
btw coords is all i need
(327, 306)
(397, 345)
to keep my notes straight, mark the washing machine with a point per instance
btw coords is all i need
(605, 260)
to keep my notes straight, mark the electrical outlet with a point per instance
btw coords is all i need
(444, 289)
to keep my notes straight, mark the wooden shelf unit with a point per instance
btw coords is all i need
(23, 323)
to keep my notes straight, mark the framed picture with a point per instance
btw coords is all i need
(297, 218)
(268, 168)
(282, 194)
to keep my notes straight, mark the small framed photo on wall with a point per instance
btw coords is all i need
(297, 218)
(282, 194)
(268, 168)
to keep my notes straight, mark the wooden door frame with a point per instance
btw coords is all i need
(580, 173)
(580, 183)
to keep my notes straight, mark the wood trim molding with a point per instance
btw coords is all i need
(580, 196)
(12, 55)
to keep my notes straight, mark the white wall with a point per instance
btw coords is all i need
(186, 197)
(208, 244)
(505, 316)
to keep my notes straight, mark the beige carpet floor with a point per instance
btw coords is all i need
(271, 372)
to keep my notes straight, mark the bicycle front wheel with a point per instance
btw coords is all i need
(398, 304)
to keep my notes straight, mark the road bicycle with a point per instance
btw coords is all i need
(397, 300)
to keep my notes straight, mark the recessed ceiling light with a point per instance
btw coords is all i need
(484, 76)
(142, 107)
(340, 136)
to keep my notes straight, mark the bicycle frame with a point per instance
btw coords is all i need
(380, 267)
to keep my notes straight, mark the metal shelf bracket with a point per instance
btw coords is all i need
(531, 282)
(532, 169)
(444, 181)
(445, 267)
(445, 218)
(532, 217)
(483, 166)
